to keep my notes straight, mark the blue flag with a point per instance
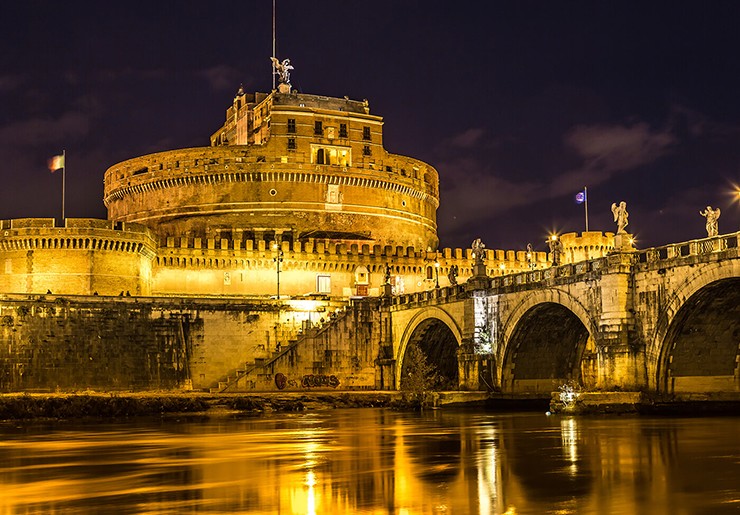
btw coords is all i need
(581, 197)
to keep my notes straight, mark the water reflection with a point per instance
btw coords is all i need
(375, 461)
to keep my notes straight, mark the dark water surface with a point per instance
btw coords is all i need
(375, 461)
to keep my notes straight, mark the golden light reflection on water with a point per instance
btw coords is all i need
(374, 461)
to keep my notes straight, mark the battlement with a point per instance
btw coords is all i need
(81, 257)
(332, 248)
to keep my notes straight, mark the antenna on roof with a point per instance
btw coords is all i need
(274, 71)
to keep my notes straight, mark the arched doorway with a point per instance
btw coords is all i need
(700, 351)
(545, 351)
(431, 351)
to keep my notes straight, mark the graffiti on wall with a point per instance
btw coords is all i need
(313, 381)
(308, 381)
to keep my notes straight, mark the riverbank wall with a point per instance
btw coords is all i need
(53, 343)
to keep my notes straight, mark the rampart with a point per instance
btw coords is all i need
(83, 257)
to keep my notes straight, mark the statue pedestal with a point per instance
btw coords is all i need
(479, 280)
(479, 270)
(624, 242)
(386, 290)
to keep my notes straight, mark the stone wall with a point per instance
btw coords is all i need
(340, 354)
(82, 257)
(119, 343)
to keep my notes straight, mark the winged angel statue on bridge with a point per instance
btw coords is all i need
(621, 216)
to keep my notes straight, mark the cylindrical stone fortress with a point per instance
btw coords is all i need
(286, 166)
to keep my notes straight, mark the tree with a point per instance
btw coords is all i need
(417, 377)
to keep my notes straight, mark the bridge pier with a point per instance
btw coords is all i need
(620, 353)
(475, 370)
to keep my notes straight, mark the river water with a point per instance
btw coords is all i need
(375, 461)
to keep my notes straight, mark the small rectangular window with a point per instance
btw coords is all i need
(323, 284)
(342, 130)
(318, 128)
(291, 143)
(366, 150)
(366, 133)
(291, 125)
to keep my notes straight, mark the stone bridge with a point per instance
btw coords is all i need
(663, 320)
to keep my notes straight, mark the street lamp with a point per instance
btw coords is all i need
(436, 273)
(556, 248)
(278, 259)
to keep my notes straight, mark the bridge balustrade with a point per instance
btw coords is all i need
(689, 248)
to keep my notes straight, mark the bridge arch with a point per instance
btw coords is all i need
(438, 335)
(696, 346)
(545, 340)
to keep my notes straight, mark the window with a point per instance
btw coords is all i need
(362, 275)
(342, 130)
(318, 128)
(291, 125)
(366, 133)
(323, 284)
(366, 150)
(291, 143)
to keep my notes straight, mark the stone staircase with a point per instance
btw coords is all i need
(232, 381)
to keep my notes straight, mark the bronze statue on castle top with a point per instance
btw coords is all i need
(282, 69)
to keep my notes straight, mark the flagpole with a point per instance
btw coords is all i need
(585, 204)
(273, 43)
(64, 171)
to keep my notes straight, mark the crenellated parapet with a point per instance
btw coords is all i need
(583, 246)
(82, 257)
(248, 266)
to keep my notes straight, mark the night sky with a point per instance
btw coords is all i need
(517, 104)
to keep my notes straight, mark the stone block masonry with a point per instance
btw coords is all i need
(73, 343)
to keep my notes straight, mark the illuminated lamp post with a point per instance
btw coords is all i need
(436, 273)
(278, 259)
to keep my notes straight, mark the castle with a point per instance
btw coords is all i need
(294, 199)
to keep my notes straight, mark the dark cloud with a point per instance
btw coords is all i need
(69, 126)
(517, 112)
(606, 150)
(222, 77)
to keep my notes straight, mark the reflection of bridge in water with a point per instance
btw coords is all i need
(664, 320)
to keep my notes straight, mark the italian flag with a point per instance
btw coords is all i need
(56, 162)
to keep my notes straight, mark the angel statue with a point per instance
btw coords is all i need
(620, 216)
(282, 70)
(478, 250)
(452, 275)
(712, 215)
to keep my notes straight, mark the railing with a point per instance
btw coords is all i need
(699, 247)
(447, 293)
(689, 248)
